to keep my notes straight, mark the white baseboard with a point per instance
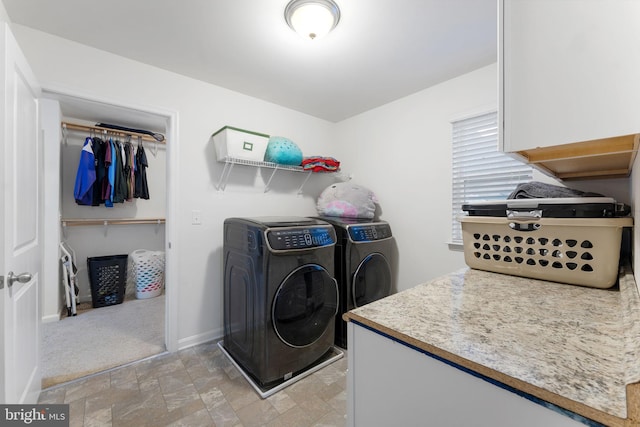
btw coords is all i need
(194, 340)
(50, 318)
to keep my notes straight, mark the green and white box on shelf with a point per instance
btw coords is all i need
(237, 143)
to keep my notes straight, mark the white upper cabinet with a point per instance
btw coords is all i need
(569, 71)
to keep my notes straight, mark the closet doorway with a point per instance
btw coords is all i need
(97, 339)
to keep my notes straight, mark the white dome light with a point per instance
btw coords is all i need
(312, 19)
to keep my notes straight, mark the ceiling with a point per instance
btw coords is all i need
(381, 50)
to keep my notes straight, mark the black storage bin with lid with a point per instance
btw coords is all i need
(108, 279)
(570, 207)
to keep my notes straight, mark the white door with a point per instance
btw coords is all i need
(20, 220)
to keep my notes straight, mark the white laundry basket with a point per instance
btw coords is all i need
(148, 272)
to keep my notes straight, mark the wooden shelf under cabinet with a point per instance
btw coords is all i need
(600, 158)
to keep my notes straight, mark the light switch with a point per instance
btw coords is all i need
(196, 217)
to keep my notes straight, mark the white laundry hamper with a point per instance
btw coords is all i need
(148, 271)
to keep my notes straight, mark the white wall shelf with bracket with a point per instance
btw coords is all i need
(229, 163)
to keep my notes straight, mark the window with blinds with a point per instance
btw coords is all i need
(480, 170)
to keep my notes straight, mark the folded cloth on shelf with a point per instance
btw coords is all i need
(540, 190)
(320, 164)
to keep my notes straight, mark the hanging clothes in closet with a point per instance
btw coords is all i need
(129, 177)
(85, 176)
(141, 186)
(110, 172)
(100, 152)
(120, 181)
(107, 189)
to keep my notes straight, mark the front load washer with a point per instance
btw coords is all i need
(280, 295)
(364, 265)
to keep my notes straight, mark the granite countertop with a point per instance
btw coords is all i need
(573, 346)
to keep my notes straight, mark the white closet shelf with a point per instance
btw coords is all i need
(72, 222)
(229, 162)
(98, 129)
(254, 163)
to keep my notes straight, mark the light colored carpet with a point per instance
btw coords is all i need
(102, 338)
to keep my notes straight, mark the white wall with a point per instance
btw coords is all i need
(202, 109)
(3, 14)
(52, 294)
(402, 152)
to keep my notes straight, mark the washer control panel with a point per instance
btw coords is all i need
(369, 232)
(284, 239)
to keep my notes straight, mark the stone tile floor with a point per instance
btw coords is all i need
(199, 387)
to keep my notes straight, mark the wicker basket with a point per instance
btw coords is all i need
(580, 251)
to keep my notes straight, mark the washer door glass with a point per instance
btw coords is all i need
(304, 306)
(372, 280)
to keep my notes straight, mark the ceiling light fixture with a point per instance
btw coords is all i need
(312, 19)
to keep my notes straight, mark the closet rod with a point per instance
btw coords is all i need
(144, 136)
(97, 221)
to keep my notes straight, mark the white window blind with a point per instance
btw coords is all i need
(480, 170)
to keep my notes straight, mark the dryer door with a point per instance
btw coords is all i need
(371, 280)
(305, 305)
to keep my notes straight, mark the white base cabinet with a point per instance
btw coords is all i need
(391, 384)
